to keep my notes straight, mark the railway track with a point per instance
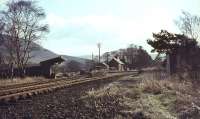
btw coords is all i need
(22, 91)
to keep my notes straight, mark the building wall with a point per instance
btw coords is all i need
(120, 67)
(116, 65)
(29, 71)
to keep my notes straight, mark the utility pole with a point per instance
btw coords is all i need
(99, 46)
(92, 57)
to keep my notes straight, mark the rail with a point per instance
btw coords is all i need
(22, 91)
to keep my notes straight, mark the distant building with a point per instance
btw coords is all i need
(47, 65)
(133, 57)
(116, 64)
(44, 68)
(102, 65)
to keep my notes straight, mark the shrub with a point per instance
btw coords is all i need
(102, 104)
(155, 86)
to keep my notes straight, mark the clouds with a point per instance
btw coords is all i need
(94, 28)
(2, 4)
(78, 25)
(3, 1)
(113, 31)
(55, 21)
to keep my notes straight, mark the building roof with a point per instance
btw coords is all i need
(32, 65)
(52, 61)
(102, 64)
(118, 61)
(105, 64)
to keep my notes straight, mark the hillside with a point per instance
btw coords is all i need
(41, 54)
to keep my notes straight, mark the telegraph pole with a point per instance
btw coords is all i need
(92, 57)
(99, 46)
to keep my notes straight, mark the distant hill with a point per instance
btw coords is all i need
(81, 62)
(86, 57)
(41, 54)
(77, 59)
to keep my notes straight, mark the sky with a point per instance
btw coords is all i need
(76, 26)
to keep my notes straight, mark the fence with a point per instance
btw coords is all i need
(194, 75)
(155, 74)
(162, 74)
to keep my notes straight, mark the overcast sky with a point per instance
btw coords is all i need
(76, 26)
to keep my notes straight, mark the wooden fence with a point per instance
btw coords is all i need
(155, 74)
(162, 74)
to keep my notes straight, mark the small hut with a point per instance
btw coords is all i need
(116, 64)
(44, 68)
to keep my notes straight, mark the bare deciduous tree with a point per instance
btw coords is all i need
(189, 25)
(22, 27)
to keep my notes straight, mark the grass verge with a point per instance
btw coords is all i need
(145, 98)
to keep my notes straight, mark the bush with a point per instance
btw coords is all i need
(191, 113)
(140, 115)
(155, 86)
(102, 104)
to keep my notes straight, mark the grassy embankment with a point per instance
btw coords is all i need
(5, 82)
(145, 97)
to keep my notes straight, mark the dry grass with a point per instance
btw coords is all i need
(132, 102)
(152, 82)
(184, 91)
(5, 82)
(103, 103)
(150, 97)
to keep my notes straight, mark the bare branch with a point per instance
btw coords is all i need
(22, 24)
(189, 25)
